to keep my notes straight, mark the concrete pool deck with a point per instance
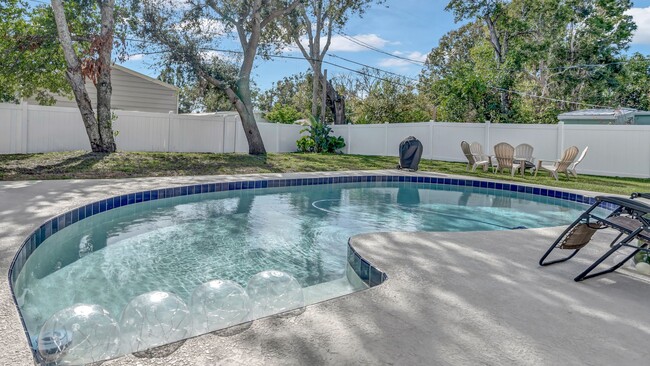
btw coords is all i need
(451, 298)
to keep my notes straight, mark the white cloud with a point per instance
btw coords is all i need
(135, 57)
(641, 17)
(398, 62)
(343, 44)
(340, 43)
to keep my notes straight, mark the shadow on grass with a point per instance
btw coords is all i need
(74, 164)
(7, 158)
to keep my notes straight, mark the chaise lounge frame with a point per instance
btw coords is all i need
(631, 219)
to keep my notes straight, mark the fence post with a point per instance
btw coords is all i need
(169, 131)
(234, 145)
(25, 127)
(560, 139)
(223, 135)
(277, 137)
(488, 147)
(431, 137)
(385, 138)
(349, 144)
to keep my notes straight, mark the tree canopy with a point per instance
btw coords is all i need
(310, 28)
(528, 60)
(31, 60)
(188, 33)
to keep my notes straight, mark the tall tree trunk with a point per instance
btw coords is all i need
(500, 55)
(76, 80)
(245, 109)
(336, 103)
(240, 97)
(104, 87)
(316, 86)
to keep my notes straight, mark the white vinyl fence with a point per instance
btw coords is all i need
(613, 150)
(32, 129)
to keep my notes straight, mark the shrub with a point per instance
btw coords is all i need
(305, 144)
(283, 114)
(319, 139)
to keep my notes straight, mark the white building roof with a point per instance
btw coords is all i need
(601, 114)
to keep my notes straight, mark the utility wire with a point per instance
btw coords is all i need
(371, 67)
(418, 62)
(547, 98)
(328, 63)
(302, 58)
(525, 94)
(373, 48)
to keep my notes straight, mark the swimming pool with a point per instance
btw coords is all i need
(139, 243)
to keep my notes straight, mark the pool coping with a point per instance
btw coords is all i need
(58, 222)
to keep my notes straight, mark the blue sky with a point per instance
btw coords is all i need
(409, 28)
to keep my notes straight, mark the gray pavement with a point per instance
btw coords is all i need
(451, 299)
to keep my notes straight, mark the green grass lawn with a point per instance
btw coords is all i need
(81, 164)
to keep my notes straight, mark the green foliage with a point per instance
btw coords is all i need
(283, 114)
(291, 91)
(306, 144)
(30, 54)
(319, 139)
(391, 100)
(32, 61)
(524, 61)
(632, 84)
(313, 24)
(368, 99)
(195, 94)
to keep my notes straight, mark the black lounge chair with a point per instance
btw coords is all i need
(631, 219)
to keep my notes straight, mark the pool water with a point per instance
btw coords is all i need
(176, 244)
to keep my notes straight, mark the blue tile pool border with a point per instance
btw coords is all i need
(368, 273)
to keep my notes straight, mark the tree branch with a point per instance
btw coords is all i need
(280, 12)
(330, 28)
(303, 50)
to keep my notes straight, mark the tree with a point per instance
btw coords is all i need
(547, 56)
(293, 91)
(186, 33)
(317, 20)
(195, 94)
(97, 66)
(391, 100)
(283, 114)
(454, 48)
(457, 73)
(31, 61)
(632, 87)
(373, 97)
(506, 22)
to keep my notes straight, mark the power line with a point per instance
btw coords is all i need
(373, 48)
(371, 67)
(420, 63)
(585, 66)
(525, 94)
(325, 62)
(405, 85)
(301, 58)
(547, 98)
